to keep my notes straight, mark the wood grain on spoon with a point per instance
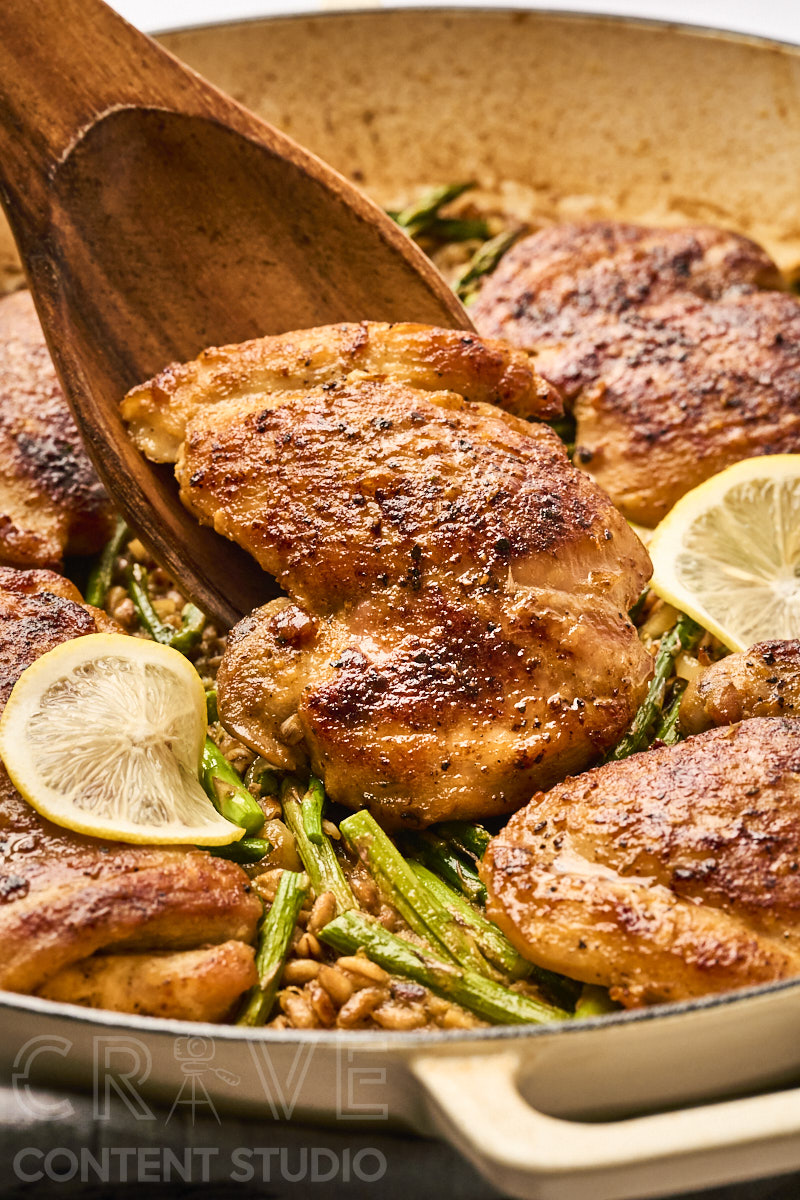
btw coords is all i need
(156, 216)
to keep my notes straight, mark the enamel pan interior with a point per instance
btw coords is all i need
(573, 117)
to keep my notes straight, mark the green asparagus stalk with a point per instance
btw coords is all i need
(439, 857)
(246, 851)
(668, 728)
(594, 1002)
(350, 932)
(274, 942)
(211, 706)
(263, 777)
(193, 622)
(483, 262)
(227, 793)
(192, 619)
(457, 229)
(417, 217)
(494, 945)
(467, 836)
(684, 634)
(311, 811)
(401, 888)
(139, 592)
(102, 572)
(320, 861)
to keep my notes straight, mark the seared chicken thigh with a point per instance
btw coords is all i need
(425, 358)
(763, 681)
(66, 896)
(672, 361)
(668, 875)
(51, 501)
(457, 629)
(190, 985)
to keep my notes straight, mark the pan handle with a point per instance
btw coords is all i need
(475, 1103)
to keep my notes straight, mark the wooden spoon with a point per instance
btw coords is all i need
(154, 217)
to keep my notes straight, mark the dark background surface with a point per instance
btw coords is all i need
(415, 1168)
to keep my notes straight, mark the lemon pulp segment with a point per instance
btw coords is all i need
(104, 735)
(729, 552)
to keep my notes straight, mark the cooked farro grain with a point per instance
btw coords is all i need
(323, 911)
(336, 983)
(297, 1006)
(360, 1006)
(362, 968)
(301, 970)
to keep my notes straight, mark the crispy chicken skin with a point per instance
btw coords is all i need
(672, 361)
(63, 896)
(763, 681)
(51, 501)
(456, 631)
(425, 358)
(671, 874)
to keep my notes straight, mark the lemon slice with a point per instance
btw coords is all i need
(104, 735)
(728, 553)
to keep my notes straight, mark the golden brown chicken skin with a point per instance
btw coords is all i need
(63, 897)
(51, 501)
(425, 358)
(673, 362)
(671, 874)
(457, 632)
(763, 681)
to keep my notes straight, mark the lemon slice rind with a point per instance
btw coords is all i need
(728, 553)
(103, 735)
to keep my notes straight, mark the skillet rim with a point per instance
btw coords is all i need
(366, 1038)
(487, 9)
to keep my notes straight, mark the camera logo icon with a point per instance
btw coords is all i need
(195, 1056)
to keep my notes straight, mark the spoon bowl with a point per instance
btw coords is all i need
(156, 216)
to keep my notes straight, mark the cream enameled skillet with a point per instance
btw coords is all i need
(574, 117)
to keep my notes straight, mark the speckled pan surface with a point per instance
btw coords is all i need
(570, 116)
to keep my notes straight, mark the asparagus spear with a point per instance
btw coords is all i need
(416, 218)
(400, 886)
(684, 634)
(193, 622)
(457, 229)
(139, 592)
(102, 572)
(434, 853)
(668, 729)
(483, 262)
(350, 932)
(211, 706)
(311, 810)
(226, 791)
(192, 619)
(494, 945)
(245, 851)
(467, 836)
(274, 942)
(594, 1002)
(320, 861)
(263, 777)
